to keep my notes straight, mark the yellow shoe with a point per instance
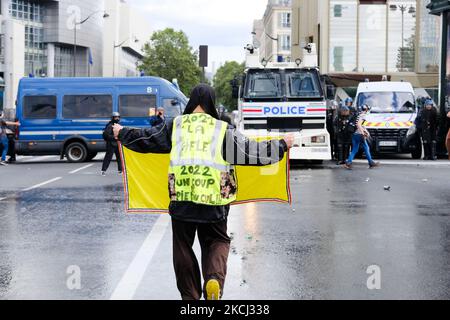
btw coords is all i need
(213, 290)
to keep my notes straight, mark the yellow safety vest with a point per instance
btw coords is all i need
(198, 173)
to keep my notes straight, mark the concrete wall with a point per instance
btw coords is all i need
(59, 28)
(124, 26)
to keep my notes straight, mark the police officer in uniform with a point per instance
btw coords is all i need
(111, 145)
(331, 114)
(428, 125)
(202, 185)
(345, 129)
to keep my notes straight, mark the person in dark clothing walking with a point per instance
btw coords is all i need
(345, 128)
(202, 149)
(112, 146)
(428, 125)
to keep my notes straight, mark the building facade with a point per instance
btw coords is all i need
(66, 38)
(364, 38)
(273, 32)
(122, 48)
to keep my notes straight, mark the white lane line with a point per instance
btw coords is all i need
(80, 169)
(42, 184)
(130, 281)
(40, 158)
(1, 199)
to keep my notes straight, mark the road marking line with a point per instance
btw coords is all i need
(42, 184)
(130, 281)
(1, 199)
(39, 158)
(80, 169)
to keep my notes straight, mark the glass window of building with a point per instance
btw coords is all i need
(284, 42)
(372, 38)
(284, 20)
(87, 106)
(401, 35)
(429, 35)
(32, 15)
(63, 61)
(343, 26)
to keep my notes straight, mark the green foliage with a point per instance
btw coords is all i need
(222, 79)
(406, 56)
(168, 55)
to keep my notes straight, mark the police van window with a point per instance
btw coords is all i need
(87, 106)
(172, 108)
(39, 107)
(264, 84)
(136, 106)
(303, 84)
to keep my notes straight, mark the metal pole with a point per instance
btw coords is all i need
(443, 85)
(403, 38)
(75, 51)
(114, 61)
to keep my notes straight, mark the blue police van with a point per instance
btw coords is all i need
(66, 116)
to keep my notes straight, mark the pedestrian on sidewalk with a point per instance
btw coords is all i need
(359, 138)
(112, 146)
(428, 124)
(202, 150)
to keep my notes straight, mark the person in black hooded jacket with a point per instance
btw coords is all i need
(111, 145)
(209, 221)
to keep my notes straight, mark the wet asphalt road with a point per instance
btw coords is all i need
(341, 222)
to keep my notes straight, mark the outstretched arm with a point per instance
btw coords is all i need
(150, 140)
(240, 150)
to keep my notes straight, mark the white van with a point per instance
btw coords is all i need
(391, 120)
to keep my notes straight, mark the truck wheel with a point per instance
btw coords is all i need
(76, 152)
(417, 154)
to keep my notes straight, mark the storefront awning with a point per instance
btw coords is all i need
(346, 80)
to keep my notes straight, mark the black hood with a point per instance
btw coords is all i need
(204, 96)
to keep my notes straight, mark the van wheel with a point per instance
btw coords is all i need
(76, 152)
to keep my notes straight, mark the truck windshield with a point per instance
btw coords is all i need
(388, 102)
(302, 84)
(263, 84)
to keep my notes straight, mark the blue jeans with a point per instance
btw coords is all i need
(357, 140)
(4, 142)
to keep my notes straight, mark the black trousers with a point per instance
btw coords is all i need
(12, 149)
(215, 246)
(110, 151)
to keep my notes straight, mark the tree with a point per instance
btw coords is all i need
(222, 79)
(168, 55)
(406, 55)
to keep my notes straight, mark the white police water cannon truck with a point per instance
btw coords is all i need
(392, 116)
(289, 97)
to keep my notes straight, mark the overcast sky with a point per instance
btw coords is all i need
(223, 25)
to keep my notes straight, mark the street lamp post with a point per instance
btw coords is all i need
(76, 24)
(136, 40)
